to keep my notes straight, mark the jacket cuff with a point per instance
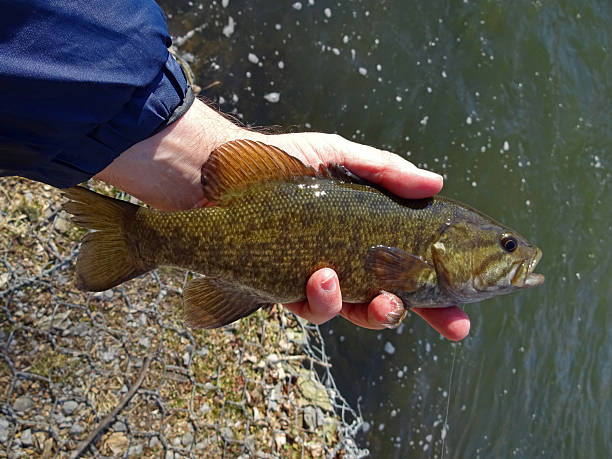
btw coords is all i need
(150, 110)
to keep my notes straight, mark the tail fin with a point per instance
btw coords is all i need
(107, 257)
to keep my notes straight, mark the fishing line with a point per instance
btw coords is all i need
(450, 381)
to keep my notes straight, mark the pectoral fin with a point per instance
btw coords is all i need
(396, 269)
(210, 303)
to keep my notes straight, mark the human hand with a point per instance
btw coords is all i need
(324, 298)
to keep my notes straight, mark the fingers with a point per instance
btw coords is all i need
(384, 311)
(324, 298)
(391, 171)
(451, 322)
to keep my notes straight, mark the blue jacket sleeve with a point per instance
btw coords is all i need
(80, 82)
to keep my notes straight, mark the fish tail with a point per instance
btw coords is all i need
(107, 257)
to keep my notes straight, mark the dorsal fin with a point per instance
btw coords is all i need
(239, 163)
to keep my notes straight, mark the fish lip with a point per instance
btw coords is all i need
(530, 279)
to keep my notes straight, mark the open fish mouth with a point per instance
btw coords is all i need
(526, 277)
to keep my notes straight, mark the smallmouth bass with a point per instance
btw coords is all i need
(276, 221)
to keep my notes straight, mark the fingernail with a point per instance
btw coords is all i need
(429, 174)
(394, 318)
(329, 284)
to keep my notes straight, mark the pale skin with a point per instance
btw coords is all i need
(164, 172)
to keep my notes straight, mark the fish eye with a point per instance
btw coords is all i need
(509, 243)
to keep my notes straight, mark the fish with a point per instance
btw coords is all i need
(275, 221)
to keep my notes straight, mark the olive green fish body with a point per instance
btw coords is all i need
(276, 235)
(265, 238)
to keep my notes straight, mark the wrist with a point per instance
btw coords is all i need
(164, 170)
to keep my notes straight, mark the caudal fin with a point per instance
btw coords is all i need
(107, 257)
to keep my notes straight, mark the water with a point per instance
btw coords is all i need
(511, 102)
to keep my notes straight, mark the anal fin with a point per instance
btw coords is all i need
(211, 303)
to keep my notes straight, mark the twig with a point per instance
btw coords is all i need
(302, 357)
(109, 418)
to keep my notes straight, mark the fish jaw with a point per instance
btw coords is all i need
(524, 276)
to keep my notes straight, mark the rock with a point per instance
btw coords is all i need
(275, 396)
(153, 442)
(169, 455)
(313, 392)
(310, 418)
(202, 352)
(280, 439)
(135, 450)
(4, 277)
(108, 355)
(119, 427)
(62, 225)
(23, 404)
(80, 329)
(205, 408)
(60, 418)
(69, 407)
(117, 443)
(4, 431)
(76, 429)
(187, 439)
(227, 434)
(39, 441)
(145, 342)
(26, 438)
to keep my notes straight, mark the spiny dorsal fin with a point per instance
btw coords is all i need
(211, 303)
(239, 163)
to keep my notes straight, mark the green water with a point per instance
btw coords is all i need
(511, 101)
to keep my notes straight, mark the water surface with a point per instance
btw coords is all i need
(511, 102)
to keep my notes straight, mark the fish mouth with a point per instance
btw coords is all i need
(525, 277)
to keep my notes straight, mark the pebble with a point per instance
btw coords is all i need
(119, 427)
(187, 439)
(23, 404)
(69, 407)
(205, 408)
(26, 437)
(4, 430)
(135, 450)
(76, 429)
(153, 442)
(310, 418)
(80, 329)
(227, 434)
(108, 355)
